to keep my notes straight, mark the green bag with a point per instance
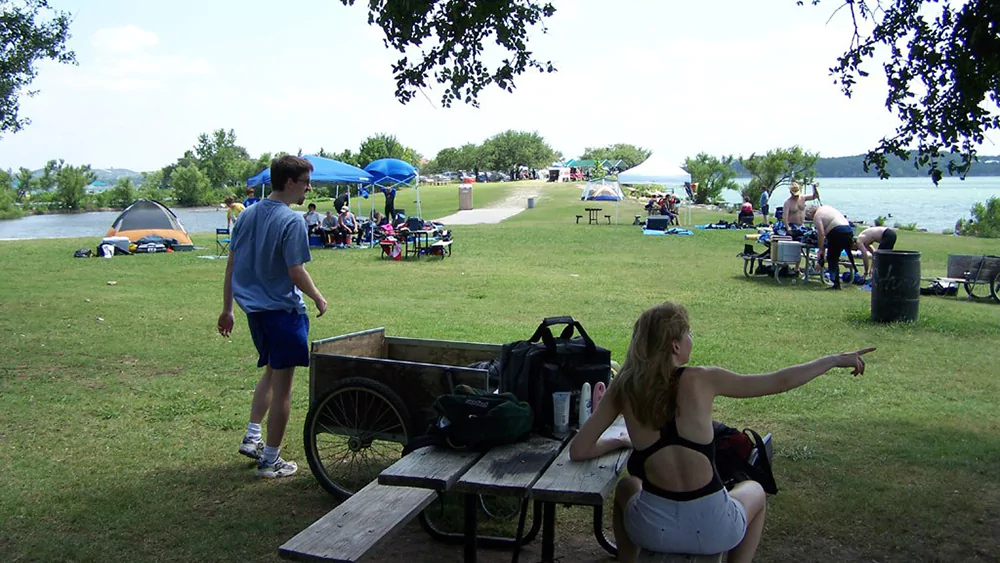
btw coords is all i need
(470, 419)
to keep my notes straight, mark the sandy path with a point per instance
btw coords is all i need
(514, 203)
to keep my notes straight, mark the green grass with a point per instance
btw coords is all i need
(122, 406)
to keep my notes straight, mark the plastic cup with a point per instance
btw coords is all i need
(560, 410)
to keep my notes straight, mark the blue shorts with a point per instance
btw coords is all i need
(281, 338)
(704, 526)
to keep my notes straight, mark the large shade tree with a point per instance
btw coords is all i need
(631, 155)
(778, 167)
(713, 175)
(511, 149)
(942, 69)
(30, 31)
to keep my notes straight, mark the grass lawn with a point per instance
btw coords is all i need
(123, 408)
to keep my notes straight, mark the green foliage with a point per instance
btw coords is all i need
(385, 146)
(778, 167)
(985, 221)
(631, 155)
(27, 37)
(8, 197)
(940, 70)
(508, 150)
(713, 175)
(190, 186)
(72, 180)
(880, 221)
(222, 161)
(123, 193)
(905, 226)
(26, 182)
(451, 36)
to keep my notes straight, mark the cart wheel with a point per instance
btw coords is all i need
(980, 291)
(354, 432)
(995, 288)
(748, 266)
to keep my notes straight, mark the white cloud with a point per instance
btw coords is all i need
(125, 39)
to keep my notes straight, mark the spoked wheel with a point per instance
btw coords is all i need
(748, 266)
(980, 291)
(354, 432)
(995, 288)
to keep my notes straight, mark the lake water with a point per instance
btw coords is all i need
(908, 200)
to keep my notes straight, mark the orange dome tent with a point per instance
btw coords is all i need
(147, 217)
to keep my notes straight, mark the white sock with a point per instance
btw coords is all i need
(253, 431)
(270, 454)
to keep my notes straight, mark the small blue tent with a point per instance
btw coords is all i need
(324, 170)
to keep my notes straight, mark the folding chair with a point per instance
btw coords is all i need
(222, 241)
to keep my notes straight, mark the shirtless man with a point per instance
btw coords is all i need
(835, 230)
(884, 236)
(795, 206)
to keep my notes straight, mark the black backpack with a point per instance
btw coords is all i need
(536, 368)
(733, 458)
(475, 420)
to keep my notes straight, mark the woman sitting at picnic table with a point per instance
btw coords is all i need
(673, 500)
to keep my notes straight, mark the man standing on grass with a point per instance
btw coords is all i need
(267, 277)
(794, 208)
(835, 230)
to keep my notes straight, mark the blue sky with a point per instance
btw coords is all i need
(722, 77)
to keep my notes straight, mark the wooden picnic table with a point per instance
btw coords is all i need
(536, 470)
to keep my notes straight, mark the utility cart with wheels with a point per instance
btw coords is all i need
(978, 274)
(369, 394)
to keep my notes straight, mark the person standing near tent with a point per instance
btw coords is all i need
(390, 203)
(233, 211)
(835, 230)
(266, 276)
(250, 199)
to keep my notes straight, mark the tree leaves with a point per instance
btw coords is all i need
(25, 40)
(450, 35)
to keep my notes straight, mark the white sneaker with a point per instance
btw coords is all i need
(252, 447)
(279, 468)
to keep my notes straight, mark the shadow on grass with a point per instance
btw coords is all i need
(216, 513)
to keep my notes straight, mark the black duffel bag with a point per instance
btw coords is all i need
(536, 368)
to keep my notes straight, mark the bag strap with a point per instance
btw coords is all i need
(544, 333)
(765, 473)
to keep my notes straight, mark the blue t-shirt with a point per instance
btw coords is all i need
(763, 199)
(250, 201)
(268, 239)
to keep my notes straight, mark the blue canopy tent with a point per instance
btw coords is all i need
(324, 170)
(392, 172)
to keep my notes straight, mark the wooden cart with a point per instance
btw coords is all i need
(978, 274)
(369, 394)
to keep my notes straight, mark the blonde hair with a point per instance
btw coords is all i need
(648, 378)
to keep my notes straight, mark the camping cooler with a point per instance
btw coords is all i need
(120, 242)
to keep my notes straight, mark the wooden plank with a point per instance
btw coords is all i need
(430, 468)
(348, 532)
(369, 343)
(510, 469)
(651, 557)
(959, 264)
(416, 384)
(441, 352)
(583, 482)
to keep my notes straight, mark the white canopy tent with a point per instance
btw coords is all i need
(658, 169)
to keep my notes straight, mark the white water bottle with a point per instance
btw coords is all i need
(585, 405)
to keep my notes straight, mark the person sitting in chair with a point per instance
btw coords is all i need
(348, 225)
(745, 217)
(672, 211)
(313, 219)
(330, 227)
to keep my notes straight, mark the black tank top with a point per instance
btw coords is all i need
(670, 437)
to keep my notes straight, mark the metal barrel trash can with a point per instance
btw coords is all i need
(465, 197)
(896, 286)
(531, 203)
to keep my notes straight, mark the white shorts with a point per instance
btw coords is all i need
(705, 526)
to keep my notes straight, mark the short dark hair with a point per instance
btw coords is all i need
(286, 168)
(312, 206)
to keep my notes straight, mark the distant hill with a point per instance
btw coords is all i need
(851, 167)
(108, 175)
